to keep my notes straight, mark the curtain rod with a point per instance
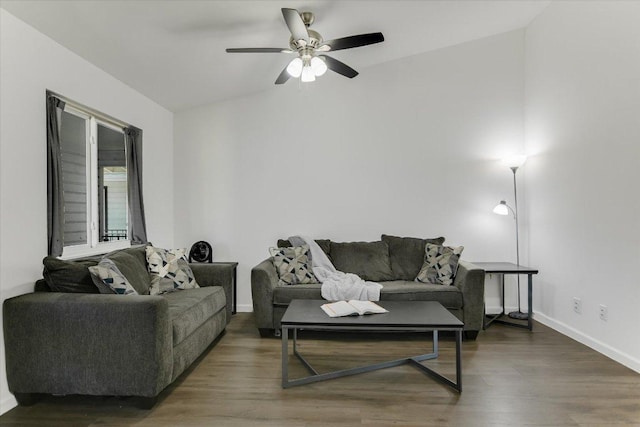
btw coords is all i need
(98, 114)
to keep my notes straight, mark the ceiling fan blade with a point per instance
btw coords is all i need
(258, 50)
(295, 24)
(283, 77)
(354, 41)
(339, 67)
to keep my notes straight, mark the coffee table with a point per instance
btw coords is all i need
(403, 316)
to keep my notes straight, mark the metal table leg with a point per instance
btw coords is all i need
(530, 301)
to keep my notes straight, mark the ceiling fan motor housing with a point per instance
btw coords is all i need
(315, 40)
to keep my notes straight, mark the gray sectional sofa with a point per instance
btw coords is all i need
(75, 340)
(393, 261)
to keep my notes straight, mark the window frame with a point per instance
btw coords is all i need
(94, 246)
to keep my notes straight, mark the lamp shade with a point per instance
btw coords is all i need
(295, 67)
(307, 74)
(318, 66)
(515, 161)
(501, 208)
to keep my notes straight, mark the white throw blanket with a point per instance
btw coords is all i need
(337, 285)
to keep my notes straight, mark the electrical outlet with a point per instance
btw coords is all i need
(604, 312)
(577, 305)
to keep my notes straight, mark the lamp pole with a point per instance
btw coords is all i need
(515, 199)
(517, 314)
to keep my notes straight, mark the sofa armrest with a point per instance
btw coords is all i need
(264, 279)
(470, 280)
(94, 344)
(222, 274)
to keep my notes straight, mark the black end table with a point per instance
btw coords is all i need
(503, 268)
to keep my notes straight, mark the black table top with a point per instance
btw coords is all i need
(505, 267)
(401, 314)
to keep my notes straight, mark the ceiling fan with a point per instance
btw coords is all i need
(310, 47)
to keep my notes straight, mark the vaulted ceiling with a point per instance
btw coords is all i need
(174, 51)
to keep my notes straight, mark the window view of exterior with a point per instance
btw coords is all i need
(94, 178)
(112, 179)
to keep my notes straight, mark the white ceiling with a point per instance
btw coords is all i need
(173, 51)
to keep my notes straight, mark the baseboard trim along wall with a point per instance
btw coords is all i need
(7, 403)
(244, 308)
(620, 357)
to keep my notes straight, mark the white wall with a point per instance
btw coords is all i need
(583, 133)
(30, 63)
(410, 147)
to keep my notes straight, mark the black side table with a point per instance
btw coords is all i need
(503, 268)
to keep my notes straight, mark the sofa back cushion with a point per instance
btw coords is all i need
(369, 260)
(69, 276)
(407, 254)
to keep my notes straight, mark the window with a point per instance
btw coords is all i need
(94, 178)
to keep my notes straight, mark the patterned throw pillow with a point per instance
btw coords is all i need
(107, 274)
(292, 265)
(169, 270)
(440, 264)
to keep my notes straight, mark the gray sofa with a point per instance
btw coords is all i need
(79, 341)
(393, 261)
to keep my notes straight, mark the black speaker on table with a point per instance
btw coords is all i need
(201, 252)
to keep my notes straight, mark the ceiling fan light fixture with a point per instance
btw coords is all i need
(295, 67)
(307, 74)
(318, 66)
(309, 46)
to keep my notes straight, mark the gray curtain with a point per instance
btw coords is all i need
(55, 200)
(137, 225)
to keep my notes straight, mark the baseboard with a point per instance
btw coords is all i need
(244, 308)
(7, 403)
(605, 349)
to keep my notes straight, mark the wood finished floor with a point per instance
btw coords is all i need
(511, 377)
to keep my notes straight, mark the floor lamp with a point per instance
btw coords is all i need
(503, 209)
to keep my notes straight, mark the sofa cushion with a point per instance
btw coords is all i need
(106, 274)
(282, 295)
(292, 265)
(407, 254)
(369, 260)
(324, 244)
(133, 268)
(169, 270)
(69, 276)
(440, 264)
(190, 308)
(399, 290)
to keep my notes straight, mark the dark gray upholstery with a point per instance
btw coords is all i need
(98, 344)
(401, 290)
(324, 244)
(69, 276)
(369, 260)
(188, 310)
(133, 268)
(407, 254)
(465, 298)
(63, 343)
(215, 275)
